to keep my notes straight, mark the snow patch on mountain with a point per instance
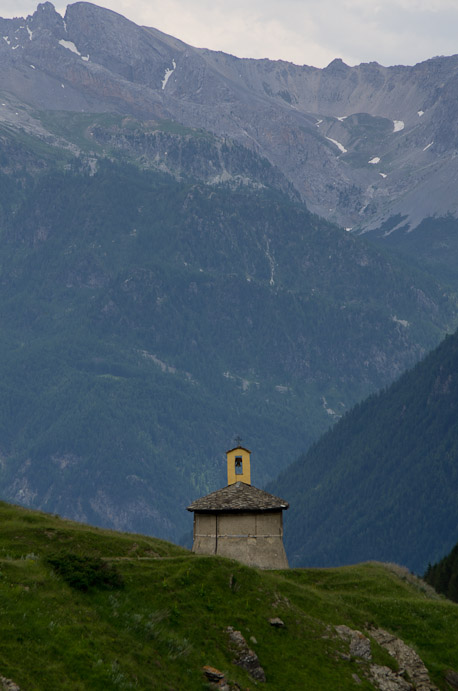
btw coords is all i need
(402, 322)
(328, 409)
(338, 144)
(271, 261)
(69, 45)
(168, 74)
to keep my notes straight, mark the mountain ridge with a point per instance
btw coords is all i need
(360, 144)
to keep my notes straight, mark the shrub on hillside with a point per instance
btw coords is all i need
(83, 573)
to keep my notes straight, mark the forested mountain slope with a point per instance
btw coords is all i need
(383, 483)
(146, 321)
(433, 247)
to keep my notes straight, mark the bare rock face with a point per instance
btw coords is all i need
(386, 680)
(212, 674)
(212, 160)
(245, 657)
(409, 661)
(360, 645)
(217, 680)
(360, 144)
(8, 685)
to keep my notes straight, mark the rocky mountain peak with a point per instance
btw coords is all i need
(360, 144)
(44, 8)
(336, 66)
(46, 17)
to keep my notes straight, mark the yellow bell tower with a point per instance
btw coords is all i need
(238, 465)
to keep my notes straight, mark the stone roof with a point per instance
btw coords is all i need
(238, 497)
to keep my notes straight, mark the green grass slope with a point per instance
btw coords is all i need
(169, 617)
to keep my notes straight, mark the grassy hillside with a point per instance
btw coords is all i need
(383, 483)
(168, 617)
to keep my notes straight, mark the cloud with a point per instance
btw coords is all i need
(309, 32)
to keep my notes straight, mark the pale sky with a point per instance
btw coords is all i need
(311, 32)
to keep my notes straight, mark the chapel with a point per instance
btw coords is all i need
(240, 521)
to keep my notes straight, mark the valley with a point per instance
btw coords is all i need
(196, 246)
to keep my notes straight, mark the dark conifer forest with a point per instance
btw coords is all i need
(443, 575)
(383, 482)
